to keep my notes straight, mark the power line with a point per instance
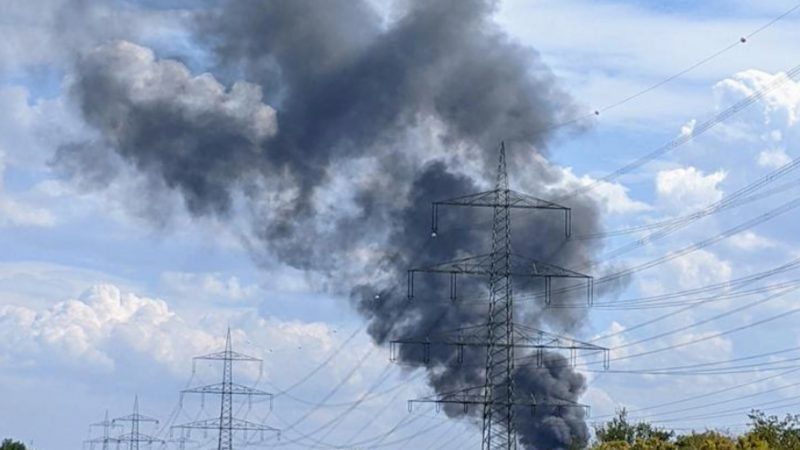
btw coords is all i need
(691, 217)
(706, 364)
(715, 335)
(697, 131)
(739, 41)
(708, 394)
(721, 402)
(706, 320)
(781, 403)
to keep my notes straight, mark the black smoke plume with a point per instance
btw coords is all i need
(348, 125)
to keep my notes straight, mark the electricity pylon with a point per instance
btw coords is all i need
(107, 425)
(135, 437)
(226, 424)
(500, 336)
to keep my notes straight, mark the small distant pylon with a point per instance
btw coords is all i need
(226, 424)
(107, 425)
(135, 437)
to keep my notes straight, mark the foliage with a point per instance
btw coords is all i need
(779, 434)
(708, 440)
(620, 430)
(764, 433)
(8, 444)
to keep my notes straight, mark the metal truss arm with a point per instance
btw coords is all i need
(526, 337)
(519, 266)
(219, 388)
(488, 199)
(230, 355)
(236, 425)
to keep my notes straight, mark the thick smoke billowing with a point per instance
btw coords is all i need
(344, 129)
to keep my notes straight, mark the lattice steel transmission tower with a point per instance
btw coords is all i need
(501, 335)
(107, 425)
(226, 424)
(135, 437)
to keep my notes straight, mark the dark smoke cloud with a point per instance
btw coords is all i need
(345, 130)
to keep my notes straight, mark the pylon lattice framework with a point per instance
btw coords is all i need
(107, 425)
(135, 436)
(226, 424)
(501, 336)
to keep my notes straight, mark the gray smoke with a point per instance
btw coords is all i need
(345, 130)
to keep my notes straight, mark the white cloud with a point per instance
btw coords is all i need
(781, 105)
(80, 331)
(22, 142)
(686, 189)
(688, 128)
(700, 268)
(16, 213)
(773, 158)
(613, 197)
(209, 285)
(749, 241)
(110, 331)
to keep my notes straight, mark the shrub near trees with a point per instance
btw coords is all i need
(764, 433)
(8, 444)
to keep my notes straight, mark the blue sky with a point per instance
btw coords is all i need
(98, 304)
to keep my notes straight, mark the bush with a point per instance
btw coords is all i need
(8, 444)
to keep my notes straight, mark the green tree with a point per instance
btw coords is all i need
(708, 440)
(654, 443)
(8, 444)
(751, 442)
(779, 434)
(619, 429)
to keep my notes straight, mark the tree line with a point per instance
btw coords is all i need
(764, 432)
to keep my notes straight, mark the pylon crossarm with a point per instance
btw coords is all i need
(488, 199)
(459, 344)
(134, 418)
(106, 423)
(100, 440)
(219, 388)
(539, 337)
(138, 437)
(519, 266)
(236, 425)
(230, 355)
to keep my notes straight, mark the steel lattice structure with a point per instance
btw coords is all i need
(107, 425)
(500, 335)
(226, 424)
(135, 437)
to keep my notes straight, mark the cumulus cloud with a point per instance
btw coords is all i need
(688, 188)
(781, 106)
(773, 125)
(700, 268)
(83, 331)
(612, 196)
(107, 330)
(773, 158)
(749, 241)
